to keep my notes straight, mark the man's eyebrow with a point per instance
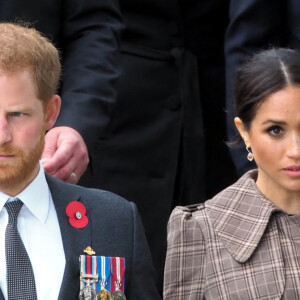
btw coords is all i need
(20, 107)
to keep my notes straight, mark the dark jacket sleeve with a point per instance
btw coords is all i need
(90, 55)
(141, 285)
(253, 25)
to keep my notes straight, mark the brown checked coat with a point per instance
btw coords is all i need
(236, 246)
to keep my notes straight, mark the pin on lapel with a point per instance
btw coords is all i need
(89, 250)
(76, 212)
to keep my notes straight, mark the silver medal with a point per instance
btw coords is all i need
(87, 293)
(118, 295)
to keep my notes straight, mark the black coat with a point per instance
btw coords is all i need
(86, 33)
(154, 151)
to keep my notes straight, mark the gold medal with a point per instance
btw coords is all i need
(103, 294)
(104, 273)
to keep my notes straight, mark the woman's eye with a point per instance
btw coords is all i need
(275, 130)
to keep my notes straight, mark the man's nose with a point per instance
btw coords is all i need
(5, 134)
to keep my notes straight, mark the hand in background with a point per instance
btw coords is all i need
(65, 153)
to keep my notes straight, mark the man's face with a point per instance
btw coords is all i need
(23, 121)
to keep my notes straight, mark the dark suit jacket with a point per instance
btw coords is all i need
(86, 32)
(255, 25)
(114, 229)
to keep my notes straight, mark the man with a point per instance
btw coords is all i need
(87, 35)
(57, 221)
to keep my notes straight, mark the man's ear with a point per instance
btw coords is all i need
(51, 111)
(243, 132)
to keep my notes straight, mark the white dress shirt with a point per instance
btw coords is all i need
(39, 229)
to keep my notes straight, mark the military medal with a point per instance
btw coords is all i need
(103, 294)
(118, 270)
(101, 276)
(118, 295)
(87, 292)
(104, 273)
(88, 277)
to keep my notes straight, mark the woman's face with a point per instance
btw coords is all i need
(274, 137)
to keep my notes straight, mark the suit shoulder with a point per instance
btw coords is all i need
(107, 201)
(91, 194)
(94, 198)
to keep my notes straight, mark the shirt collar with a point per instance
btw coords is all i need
(36, 196)
(240, 215)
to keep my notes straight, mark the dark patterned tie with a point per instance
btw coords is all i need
(20, 277)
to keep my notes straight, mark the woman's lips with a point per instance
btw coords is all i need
(292, 171)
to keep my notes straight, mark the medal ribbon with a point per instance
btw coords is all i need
(82, 269)
(103, 272)
(118, 273)
(88, 265)
(94, 269)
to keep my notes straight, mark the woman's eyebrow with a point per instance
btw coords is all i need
(277, 122)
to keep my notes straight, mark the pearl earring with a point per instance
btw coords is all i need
(250, 155)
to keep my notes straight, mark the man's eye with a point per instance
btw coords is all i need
(16, 114)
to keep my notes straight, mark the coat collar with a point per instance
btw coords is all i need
(240, 215)
(74, 239)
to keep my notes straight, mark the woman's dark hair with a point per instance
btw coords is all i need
(265, 73)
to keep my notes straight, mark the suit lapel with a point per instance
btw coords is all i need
(74, 239)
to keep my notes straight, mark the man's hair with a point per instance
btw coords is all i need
(21, 48)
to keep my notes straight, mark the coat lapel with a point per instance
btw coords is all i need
(241, 217)
(75, 240)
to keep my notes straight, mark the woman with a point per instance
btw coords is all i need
(245, 242)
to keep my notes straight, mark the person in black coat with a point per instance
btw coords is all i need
(164, 145)
(87, 35)
(256, 25)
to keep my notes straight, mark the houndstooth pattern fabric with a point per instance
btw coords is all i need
(20, 277)
(236, 246)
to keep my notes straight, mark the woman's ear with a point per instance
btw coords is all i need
(52, 111)
(243, 132)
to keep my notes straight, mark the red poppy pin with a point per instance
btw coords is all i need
(76, 213)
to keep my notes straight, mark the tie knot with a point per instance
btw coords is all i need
(13, 209)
